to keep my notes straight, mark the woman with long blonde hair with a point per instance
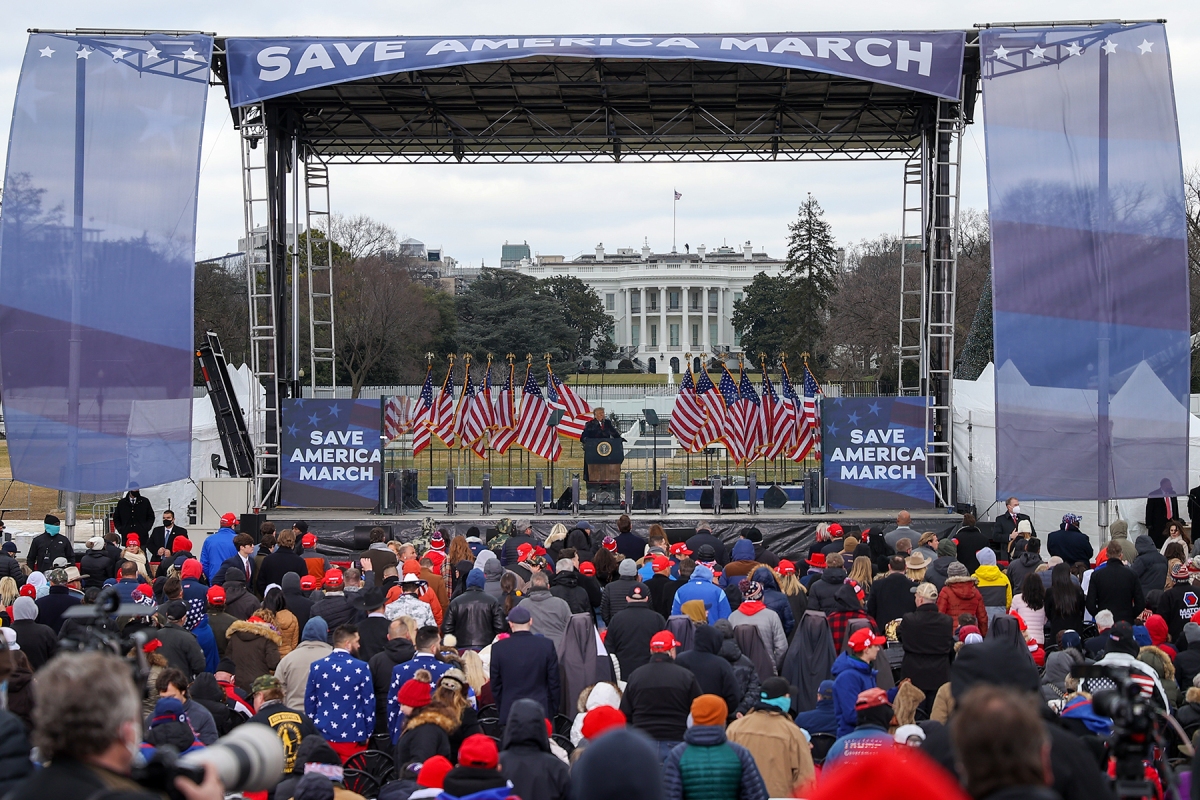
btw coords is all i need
(862, 572)
(8, 591)
(789, 584)
(915, 566)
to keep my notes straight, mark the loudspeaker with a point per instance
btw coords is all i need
(774, 497)
(564, 501)
(645, 499)
(729, 499)
(409, 480)
(252, 524)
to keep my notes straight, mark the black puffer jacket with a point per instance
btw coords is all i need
(474, 618)
(743, 670)
(525, 755)
(616, 597)
(11, 568)
(822, 590)
(565, 585)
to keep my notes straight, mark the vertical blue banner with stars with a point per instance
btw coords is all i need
(331, 453)
(875, 452)
(1089, 262)
(97, 244)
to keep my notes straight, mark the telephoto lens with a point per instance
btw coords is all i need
(250, 759)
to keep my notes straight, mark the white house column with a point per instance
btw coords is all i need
(704, 341)
(626, 304)
(685, 332)
(664, 333)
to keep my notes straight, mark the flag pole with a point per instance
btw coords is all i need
(674, 204)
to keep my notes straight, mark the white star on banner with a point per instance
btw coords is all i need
(46, 52)
(190, 54)
(1000, 52)
(82, 52)
(1038, 51)
(1145, 46)
(118, 54)
(152, 52)
(1073, 49)
(1110, 47)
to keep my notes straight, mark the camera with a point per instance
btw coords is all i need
(1138, 727)
(249, 759)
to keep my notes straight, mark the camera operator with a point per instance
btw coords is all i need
(87, 725)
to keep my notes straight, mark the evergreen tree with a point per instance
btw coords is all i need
(977, 352)
(813, 266)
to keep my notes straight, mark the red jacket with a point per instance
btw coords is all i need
(961, 596)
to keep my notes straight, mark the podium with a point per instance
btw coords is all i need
(602, 459)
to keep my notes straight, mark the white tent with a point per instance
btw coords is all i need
(975, 461)
(206, 443)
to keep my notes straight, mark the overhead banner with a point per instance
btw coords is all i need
(875, 453)
(97, 245)
(925, 61)
(1089, 263)
(331, 453)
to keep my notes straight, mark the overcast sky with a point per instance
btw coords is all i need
(470, 210)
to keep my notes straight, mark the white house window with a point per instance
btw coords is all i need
(653, 335)
(712, 335)
(635, 334)
(610, 302)
(674, 334)
(635, 301)
(695, 335)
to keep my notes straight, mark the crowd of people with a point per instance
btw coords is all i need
(578, 665)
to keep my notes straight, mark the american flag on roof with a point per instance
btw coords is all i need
(442, 420)
(423, 418)
(399, 412)
(560, 396)
(809, 436)
(533, 431)
(504, 432)
(711, 402)
(687, 416)
(732, 433)
(780, 426)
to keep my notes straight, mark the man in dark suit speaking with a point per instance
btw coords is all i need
(599, 427)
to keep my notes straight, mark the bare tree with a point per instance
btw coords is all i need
(864, 314)
(381, 318)
(360, 236)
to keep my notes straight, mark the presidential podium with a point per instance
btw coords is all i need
(602, 459)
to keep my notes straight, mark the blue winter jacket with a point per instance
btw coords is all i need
(851, 678)
(701, 587)
(821, 719)
(217, 547)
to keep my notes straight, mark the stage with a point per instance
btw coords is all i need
(786, 531)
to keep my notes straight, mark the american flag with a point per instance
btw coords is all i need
(809, 436)
(442, 419)
(399, 414)
(678, 196)
(747, 417)
(560, 396)
(469, 425)
(423, 419)
(340, 698)
(533, 432)
(732, 433)
(487, 412)
(780, 420)
(504, 432)
(710, 401)
(787, 411)
(687, 417)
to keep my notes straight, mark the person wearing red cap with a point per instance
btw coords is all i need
(873, 715)
(662, 587)
(219, 546)
(853, 675)
(658, 696)
(431, 778)
(477, 775)
(334, 608)
(307, 545)
(218, 619)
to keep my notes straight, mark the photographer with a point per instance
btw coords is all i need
(87, 725)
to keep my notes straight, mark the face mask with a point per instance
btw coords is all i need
(52, 530)
(1016, 509)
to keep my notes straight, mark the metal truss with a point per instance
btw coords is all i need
(321, 342)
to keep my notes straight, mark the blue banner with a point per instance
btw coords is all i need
(924, 61)
(331, 453)
(875, 452)
(1089, 259)
(97, 244)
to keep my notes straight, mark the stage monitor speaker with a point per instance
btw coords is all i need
(645, 499)
(729, 499)
(774, 497)
(564, 501)
(252, 524)
(677, 535)
(409, 479)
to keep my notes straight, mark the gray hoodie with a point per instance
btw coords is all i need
(550, 614)
(493, 572)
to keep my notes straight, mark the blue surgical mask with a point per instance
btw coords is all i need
(52, 530)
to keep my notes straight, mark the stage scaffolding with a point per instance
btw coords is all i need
(561, 110)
